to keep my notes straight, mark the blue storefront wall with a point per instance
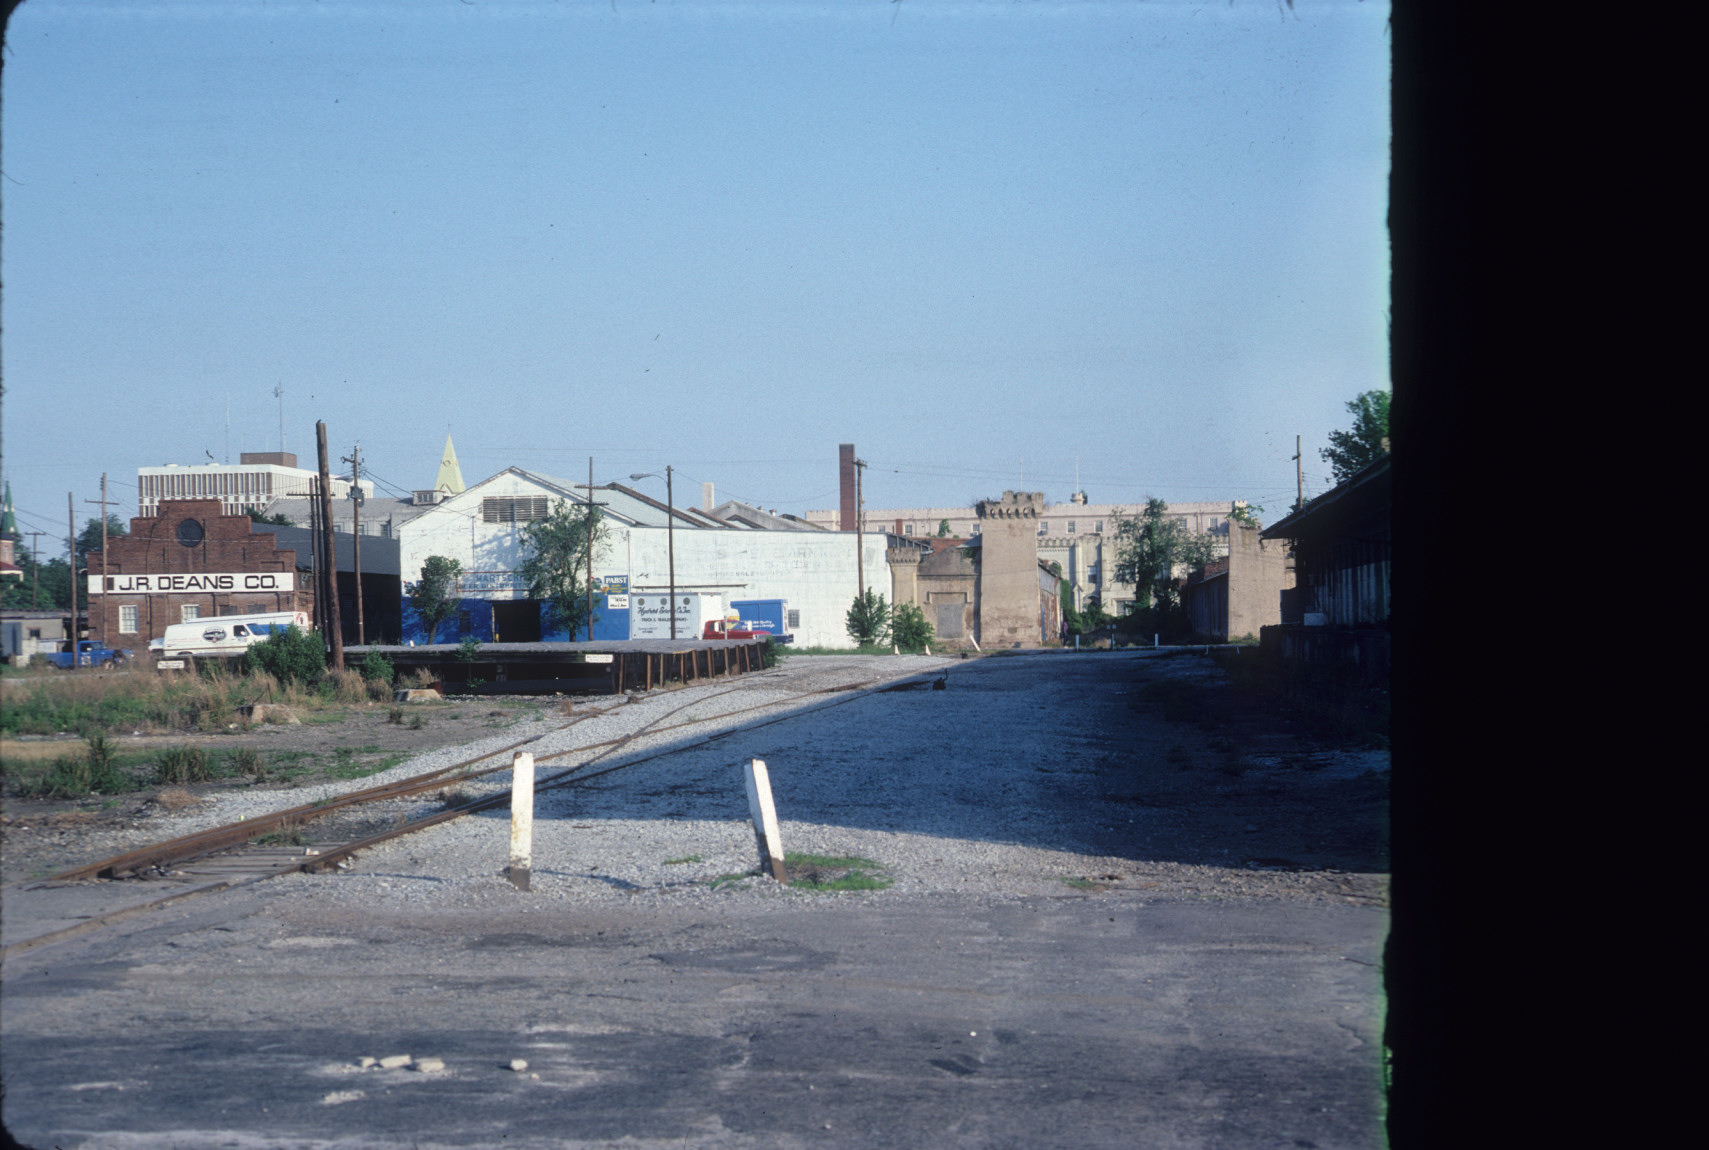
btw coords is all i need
(608, 623)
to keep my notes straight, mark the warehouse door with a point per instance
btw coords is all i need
(516, 621)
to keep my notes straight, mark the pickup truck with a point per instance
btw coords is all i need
(89, 653)
(731, 629)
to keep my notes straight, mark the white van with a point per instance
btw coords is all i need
(226, 635)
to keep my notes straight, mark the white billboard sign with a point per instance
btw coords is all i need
(194, 583)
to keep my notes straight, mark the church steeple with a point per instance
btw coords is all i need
(450, 478)
(8, 520)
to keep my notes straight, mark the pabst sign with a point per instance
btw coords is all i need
(197, 583)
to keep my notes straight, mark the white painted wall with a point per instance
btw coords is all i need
(813, 570)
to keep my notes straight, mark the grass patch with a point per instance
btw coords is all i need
(724, 880)
(138, 698)
(289, 835)
(834, 872)
(94, 771)
(345, 764)
(685, 859)
(180, 765)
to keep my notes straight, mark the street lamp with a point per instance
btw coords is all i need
(670, 534)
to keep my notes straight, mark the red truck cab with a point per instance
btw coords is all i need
(730, 629)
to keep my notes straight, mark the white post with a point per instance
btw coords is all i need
(765, 819)
(521, 818)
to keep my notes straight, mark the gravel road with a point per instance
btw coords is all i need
(1229, 1000)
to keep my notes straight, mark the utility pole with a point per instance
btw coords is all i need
(670, 543)
(860, 529)
(279, 394)
(71, 552)
(35, 567)
(1299, 476)
(103, 502)
(334, 627)
(314, 558)
(355, 462)
(589, 541)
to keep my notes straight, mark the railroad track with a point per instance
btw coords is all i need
(228, 856)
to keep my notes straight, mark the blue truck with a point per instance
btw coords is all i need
(89, 653)
(763, 617)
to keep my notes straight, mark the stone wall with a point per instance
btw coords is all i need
(1009, 571)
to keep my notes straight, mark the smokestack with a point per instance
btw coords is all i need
(846, 482)
(706, 503)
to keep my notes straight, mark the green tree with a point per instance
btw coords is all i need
(1351, 451)
(909, 629)
(1149, 552)
(49, 584)
(434, 596)
(1245, 514)
(291, 656)
(89, 539)
(275, 520)
(868, 619)
(1093, 615)
(557, 561)
(943, 529)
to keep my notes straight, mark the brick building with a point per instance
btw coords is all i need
(189, 561)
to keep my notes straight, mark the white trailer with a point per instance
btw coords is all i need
(650, 616)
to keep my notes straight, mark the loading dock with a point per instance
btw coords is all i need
(598, 668)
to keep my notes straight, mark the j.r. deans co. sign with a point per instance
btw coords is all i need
(192, 584)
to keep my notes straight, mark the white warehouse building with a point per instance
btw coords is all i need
(813, 570)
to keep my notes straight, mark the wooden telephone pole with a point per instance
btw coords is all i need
(334, 625)
(860, 529)
(354, 459)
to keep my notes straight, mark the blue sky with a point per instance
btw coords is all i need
(982, 241)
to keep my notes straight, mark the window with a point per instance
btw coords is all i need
(907, 529)
(1100, 527)
(1044, 527)
(189, 613)
(127, 619)
(513, 510)
(1071, 527)
(794, 620)
(465, 622)
(35, 632)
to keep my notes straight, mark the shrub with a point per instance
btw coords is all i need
(469, 649)
(376, 666)
(73, 776)
(182, 765)
(347, 686)
(909, 629)
(291, 656)
(868, 620)
(247, 761)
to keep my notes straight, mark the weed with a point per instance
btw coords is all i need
(176, 799)
(416, 722)
(73, 776)
(683, 860)
(247, 761)
(289, 835)
(377, 668)
(379, 691)
(395, 716)
(452, 797)
(346, 686)
(724, 880)
(568, 707)
(182, 765)
(834, 873)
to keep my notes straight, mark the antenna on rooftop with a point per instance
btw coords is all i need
(279, 394)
